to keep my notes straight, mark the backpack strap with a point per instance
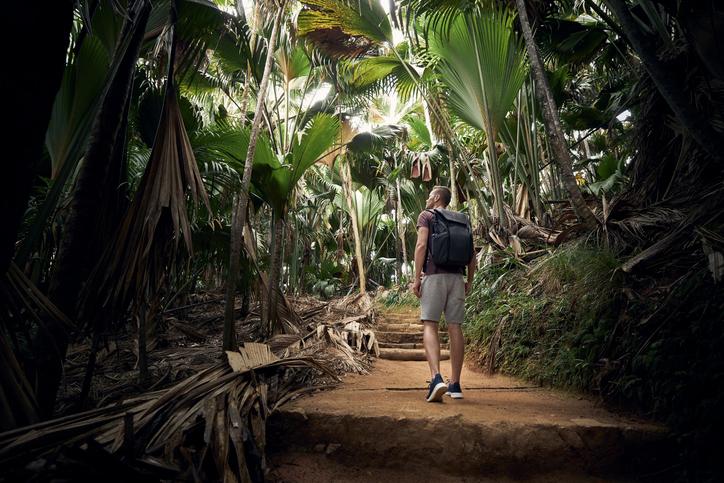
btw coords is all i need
(427, 253)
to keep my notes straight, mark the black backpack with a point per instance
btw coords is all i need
(451, 240)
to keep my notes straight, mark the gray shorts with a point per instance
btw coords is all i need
(443, 292)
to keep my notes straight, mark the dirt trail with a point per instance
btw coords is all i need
(378, 427)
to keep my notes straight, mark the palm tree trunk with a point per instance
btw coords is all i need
(269, 309)
(243, 196)
(496, 181)
(37, 73)
(229, 338)
(671, 90)
(352, 206)
(401, 224)
(553, 124)
(79, 248)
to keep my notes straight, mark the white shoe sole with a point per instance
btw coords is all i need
(454, 395)
(437, 393)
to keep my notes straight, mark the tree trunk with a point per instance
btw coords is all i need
(229, 338)
(269, 308)
(243, 196)
(352, 206)
(37, 72)
(670, 88)
(553, 124)
(79, 248)
(401, 224)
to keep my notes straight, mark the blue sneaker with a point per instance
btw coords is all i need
(454, 391)
(437, 389)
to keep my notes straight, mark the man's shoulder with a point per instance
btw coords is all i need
(424, 219)
(425, 215)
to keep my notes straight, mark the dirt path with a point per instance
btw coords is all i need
(378, 427)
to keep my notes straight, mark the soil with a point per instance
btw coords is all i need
(378, 427)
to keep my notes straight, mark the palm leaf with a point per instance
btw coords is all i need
(344, 28)
(482, 62)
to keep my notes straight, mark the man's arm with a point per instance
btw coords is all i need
(420, 254)
(471, 273)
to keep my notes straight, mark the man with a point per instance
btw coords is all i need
(440, 290)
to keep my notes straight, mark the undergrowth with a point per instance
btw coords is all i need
(398, 297)
(574, 320)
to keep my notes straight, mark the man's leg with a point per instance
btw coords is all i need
(457, 350)
(431, 341)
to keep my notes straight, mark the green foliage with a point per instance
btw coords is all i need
(576, 321)
(399, 297)
(344, 28)
(483, 63)
(550, 329)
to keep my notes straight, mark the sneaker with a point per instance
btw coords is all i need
(437, 389)
(454, 391)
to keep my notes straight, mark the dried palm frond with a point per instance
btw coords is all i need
(210, 425)
(21, 300)
(147, 241)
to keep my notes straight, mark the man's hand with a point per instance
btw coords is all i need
(415, 286)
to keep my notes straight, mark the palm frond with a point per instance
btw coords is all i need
(482, 61)
(344, 28)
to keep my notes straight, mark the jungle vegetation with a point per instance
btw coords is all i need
(268, 148)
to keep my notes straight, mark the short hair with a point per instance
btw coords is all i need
(444, 192)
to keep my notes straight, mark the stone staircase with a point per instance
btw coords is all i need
(399, 334)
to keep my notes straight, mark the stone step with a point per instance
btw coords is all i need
(505, 430)
(409, 354)
(398, 326)
(403, 337)
(322, 464)
(414, 328)
(408, 345)
(400, 317)
(482, 451)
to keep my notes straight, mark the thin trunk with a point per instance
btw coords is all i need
(553, 123)
(36, 77)
(400, 224)
(352, 206)
(392, 195)
(269, 314)
(670, 87)
(294, 262)
(229, 338)
(243, 196)
(496, 182)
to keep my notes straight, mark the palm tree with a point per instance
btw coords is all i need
(276, 183)
(553, 123)
(243, 196)
(75, 255)
(673, 91)
(482, 63)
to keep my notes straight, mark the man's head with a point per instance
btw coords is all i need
(439, 197)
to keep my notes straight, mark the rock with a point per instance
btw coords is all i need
(332, 447)
(319, 448)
